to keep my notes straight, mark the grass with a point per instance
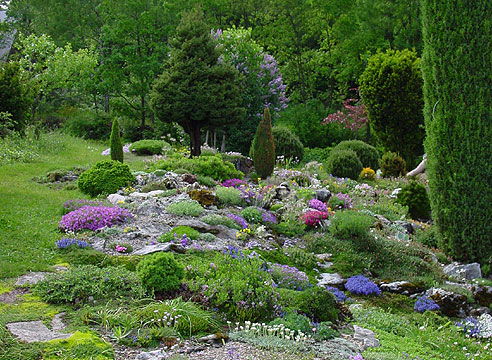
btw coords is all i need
(30, 212)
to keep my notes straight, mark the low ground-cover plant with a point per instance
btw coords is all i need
(351, 225)
(313, 218)
(66, 243)
(228, 195)
(160, 272)
(237, 285)
(228, 221)
(105, 177)
(149, 147)
(93, 218)
(177, 233)
(188, 208)
(425, 304)
(82, 284)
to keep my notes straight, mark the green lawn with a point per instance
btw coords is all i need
(30, 212)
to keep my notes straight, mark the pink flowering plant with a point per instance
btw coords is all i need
(314, 217)
(93, 218)
(353, 116)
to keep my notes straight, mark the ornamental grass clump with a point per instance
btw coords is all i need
(424, 303)
(93, 218)
(361, 285)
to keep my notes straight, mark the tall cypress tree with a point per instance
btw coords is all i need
(115, 142)
(264, 147)
(456, 64)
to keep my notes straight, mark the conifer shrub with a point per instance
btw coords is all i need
(264, 147)
(115, 142)
(458, 101)
(149, 147)
(392, 165)
(391, 89)
(160, 272)
(414, 195)
(367, 154)
(344, 164)
(105, 177)
(287, 144)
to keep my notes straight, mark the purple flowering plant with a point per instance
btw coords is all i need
(313, 217)
(239, 220)
(233, 183)
(339, 294)
(67, 243)
(71, 205)
(93, 218)
(317, 205)
(289, 277)
(424, 303)
(470, 326)
(361, 285)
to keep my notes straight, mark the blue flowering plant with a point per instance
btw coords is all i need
(424, 304)
(67, 243)
(470, 326)
(339, 294)
(361, 285)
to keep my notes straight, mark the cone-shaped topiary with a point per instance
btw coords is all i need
(264, 148)
(115, 142)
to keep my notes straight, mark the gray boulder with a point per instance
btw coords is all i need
(167, 247)
(152, 355)
(463, 271)
(401, 287)
(450, 303)
(115, 198)
(34, 331)
(366, 337)
(323, 195)
(326, 279)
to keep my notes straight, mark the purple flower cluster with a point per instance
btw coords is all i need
(423, 304)
(361, 285)
(317, 205)
(288, 277)
(268, 217)
(93, 218)
(66, 242)
(184, 241)
(357, 357)
(470, 326)
(346, 199)
(239, 220)
(250, 195)
(71, 205)
(233, 252)
(233, 183)
(339, 294)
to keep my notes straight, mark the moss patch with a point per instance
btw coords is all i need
(79, 346)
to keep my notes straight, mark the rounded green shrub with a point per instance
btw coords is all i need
(351, 225)
(188, 208)
(414, 195)
(392, 165)
(160, 272)
(149, 147)
(105, 177)
(367, 154)
(228, 195)
(315, 302)
(344, 164)
(252, 214)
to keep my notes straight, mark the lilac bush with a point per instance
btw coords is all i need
(289, 277)
(93, 218)
(66, 242)
(317, 205)
(424, 303)
(361, 285)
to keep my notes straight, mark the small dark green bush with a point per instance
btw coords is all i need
(160, 272)
(429, 237)
(105, 177)
(87, 124)
(414, 195)
(392, 165)
(350, 225)
(115, 142)
(206, 181)
(344, 163)
(14, 99)
(315, 302)
(367, 154)
(80, 283)
(149, 147)
(220, 220)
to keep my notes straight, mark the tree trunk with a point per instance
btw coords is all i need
(206, 137)
(106, 103)
(215, 139)
(142, 103)
(222, 147)
(195, 140)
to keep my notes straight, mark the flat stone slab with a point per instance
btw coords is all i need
(463, 271)
(150, 249)
(57, 323)
(326, 279)
(31, 278)
(34, 331)
(152, 355)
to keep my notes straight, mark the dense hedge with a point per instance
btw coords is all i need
(457, 62)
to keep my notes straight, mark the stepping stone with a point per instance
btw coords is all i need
(57, 323)
(330, 280)
(31, 278)
(149, 249)
(34, 331)
(152, 355)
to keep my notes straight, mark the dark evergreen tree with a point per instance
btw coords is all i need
(391, 89)
(264, 147)
(457, 63)
(196, 90)
(13, 97)
(115, 142)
